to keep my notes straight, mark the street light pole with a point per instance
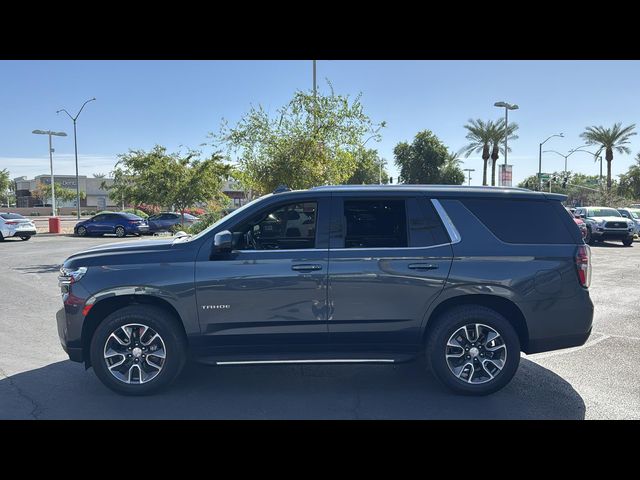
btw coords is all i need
(540, 158)
(53, 189)
(596, 157)
(469, 170)
(75, 143)
(507, 107)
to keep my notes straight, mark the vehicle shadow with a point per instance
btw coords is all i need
(610, 245)
(63, 390)
(38, 268)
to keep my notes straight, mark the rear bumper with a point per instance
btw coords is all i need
(18, 233)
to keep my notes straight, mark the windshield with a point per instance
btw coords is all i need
(9, 216)
(603, 212)
(226, 217)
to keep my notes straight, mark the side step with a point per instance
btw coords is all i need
(292, 359)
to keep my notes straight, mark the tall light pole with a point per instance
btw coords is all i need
(571, 152)
(540, 158)
(469, 170)
(507, 107)
(596, 156)
(314, 79)
(75, 143)
(53, 189)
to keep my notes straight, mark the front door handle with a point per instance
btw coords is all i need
(306, 267)
(423, 266)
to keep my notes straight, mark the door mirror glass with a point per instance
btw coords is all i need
(223, 241)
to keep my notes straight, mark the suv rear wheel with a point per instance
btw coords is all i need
(473, 350)
(138, 350)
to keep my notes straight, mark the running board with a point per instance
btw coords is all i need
(327, 360)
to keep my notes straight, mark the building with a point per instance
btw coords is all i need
(234, 191)
(96, 198)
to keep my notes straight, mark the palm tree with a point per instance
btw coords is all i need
(480, 135)
(497, 139)
(609, 139)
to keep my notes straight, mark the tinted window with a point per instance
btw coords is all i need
(375, 223)
(603, 212)
(521, 221)
(425, 227)
(9, 216)
(99, 218)
(287, 227)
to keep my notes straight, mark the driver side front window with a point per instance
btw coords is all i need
(286, 227)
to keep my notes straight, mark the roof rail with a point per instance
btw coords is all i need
(282, 188)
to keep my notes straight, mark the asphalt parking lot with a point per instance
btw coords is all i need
(600, 380)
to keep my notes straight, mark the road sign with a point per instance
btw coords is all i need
(505, 175)
(544, 176)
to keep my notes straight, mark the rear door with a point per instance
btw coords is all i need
(389, 259)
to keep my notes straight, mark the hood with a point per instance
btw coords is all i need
(123, 252)
(609, 219)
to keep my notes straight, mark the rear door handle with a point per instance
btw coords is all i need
(423, 266)
(306, 267)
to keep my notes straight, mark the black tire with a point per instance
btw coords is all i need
(24, 238)
(120, 232)
(628, 242)
(164, 324)
(451, 321)
(81, 231)
(1, 237)
(589, 238)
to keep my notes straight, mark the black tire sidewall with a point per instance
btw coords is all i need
(124, 233)
(161, 322)
(452, 320)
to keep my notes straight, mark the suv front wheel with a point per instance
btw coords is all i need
(138, 350)
(473, 350)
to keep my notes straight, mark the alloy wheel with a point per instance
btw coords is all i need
(135, 353)
(476, 353)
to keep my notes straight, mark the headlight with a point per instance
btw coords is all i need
(69, 275)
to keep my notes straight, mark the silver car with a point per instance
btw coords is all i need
(632, 214)
(15, 225)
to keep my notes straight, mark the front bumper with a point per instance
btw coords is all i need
(611, 234)
(74, 351)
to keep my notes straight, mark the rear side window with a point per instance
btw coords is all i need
(425, 226)
(520, 221)
(375, 223)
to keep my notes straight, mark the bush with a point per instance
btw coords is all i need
(149, 209)
(206, 220)
(137, 212)
(35, 214)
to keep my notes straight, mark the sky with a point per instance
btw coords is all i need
(177, 103)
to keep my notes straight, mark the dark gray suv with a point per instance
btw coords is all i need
(468, 277)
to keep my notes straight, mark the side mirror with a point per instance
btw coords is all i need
(223, 241)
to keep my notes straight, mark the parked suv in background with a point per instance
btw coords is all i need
(605, 223)
(632, 214)
(467, 276)
(163, 222)
(118, 223)
(15, 225)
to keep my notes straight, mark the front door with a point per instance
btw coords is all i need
(269, 294)
(389, 259)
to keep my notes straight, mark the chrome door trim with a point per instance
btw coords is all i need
(328, 360)
(448, 224)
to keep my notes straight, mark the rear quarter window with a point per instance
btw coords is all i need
(523, 221)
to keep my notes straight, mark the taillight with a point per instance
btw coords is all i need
(11, 223)
(583, 265)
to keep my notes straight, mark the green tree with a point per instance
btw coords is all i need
(609, 139)
(170, 180)
(310, 141)
(43, 192)
(368, 168)
(5, 185)
(451, 173)
(497, 141)
(480, 135)
(629, 185)
(420, 161)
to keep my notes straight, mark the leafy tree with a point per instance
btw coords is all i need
(368, 168)
(629, 185)
(43, 192)
(497, 140)
(5, 185)
(420, 162)
(169, 180)
(480, 135)
(310, 141)
(451, 173)
(609, 139)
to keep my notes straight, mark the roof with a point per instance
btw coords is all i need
(443, 190)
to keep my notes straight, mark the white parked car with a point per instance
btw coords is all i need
(15, 225)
